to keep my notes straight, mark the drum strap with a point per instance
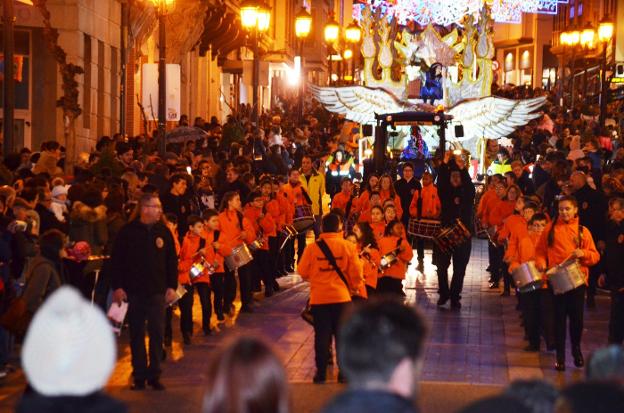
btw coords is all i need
(332, 261)
(202, 244)
(306, 196)
(349, 204)
(419, 204)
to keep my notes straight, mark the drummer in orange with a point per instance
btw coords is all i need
(342, 198)
(296, 196)
(368, 249)
(329, 293)
(537, 306)
(394, 242)
(377, 222)
(483, 210)
(425, 204)
(264, 227)
(515, 227)
(279, 204)
(235, 231)
(500, 208)
(214, 252)
(373, 200)
(363, 201)
(386, 191)
(563, 239)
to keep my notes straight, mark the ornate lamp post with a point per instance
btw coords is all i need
(331, 32)
(353, 33)
(571, 39)
(255, 18)
(605, 34)
(303, 25)
(162, 7)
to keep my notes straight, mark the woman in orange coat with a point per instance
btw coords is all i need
(502, 208)
(371, 257)
(236, 230)
(425, 204)
(214, 254)
(394, 242)
(377, 222)
(386, 191)
(564, 239)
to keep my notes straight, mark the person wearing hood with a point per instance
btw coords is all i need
(563, 239)
(66, 375)
(48, 160)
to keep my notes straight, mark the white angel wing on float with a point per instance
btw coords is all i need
(491, 117)
(357, 103)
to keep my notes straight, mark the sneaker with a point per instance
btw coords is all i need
(442, 300)
(3, 373)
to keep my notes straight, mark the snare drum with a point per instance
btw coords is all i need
(239, 257)
(424, 228)
(256, 244)
(304, 217)
(387, 261)
(566, 277)
(449, 238)
(527, 278)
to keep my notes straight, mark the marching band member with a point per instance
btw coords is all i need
(386, 191)
(377, 222)
(369, 251)
(483, 210)
(330, 290)
(457, 199)
(563, 239)
(214, 253)
(341, 199)
(280, 202)
(363, 202)
(394, 243)
(501, 210)
(273, 209)
(390, 213)
(425, 204)
(264, 227)
(236, 230)
(296, 196)
(537, 305)
(373, 201)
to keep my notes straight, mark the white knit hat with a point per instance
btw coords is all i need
(69, 349)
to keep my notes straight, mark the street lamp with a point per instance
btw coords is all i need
(571, 39)
(255, 18)
(331, 32)
(605, 34)
(162, 7)
(353, 33)
(303, 26)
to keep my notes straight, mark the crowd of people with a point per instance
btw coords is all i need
(228, 213)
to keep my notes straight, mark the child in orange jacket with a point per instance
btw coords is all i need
(368, 250)
(426, 205)
(377, 222)
(394, 242)
(214, 254)
(565, 239)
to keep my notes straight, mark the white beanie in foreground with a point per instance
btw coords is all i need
(69, 349)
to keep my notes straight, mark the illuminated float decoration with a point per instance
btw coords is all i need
(419, 71)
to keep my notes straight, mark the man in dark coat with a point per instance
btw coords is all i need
(405, 188)
(176, 202)
(144, 269)
(457, 194)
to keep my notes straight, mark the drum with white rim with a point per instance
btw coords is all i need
(566, 277)
(304, 218)
(424, 228)
(527, 278)
(239, 257)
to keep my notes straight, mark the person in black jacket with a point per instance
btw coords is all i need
(144, 272)
(614, 251)
(405, 188)
(176, 202)
(457, 194)
(592, 210)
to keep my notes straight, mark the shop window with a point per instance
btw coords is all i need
(21, 73)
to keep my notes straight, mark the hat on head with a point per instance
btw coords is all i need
(59, 190)
(69, 349)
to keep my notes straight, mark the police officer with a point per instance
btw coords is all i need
(457, 195)
(144, 268)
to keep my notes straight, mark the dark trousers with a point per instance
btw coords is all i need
(370, 291)
(537, 307)
(263, 270)
(569, 306)
(491, 258)
(275, 255)
(289, 254)
(616, 320)
(229, 289)
(389, 285)
(204, 291)
(496, 262)
(244, 284)
(326, 323)
(592, 280)
(218, 280)
(301, 244)
(142, 309)
(186, 310)
(460, 257)
(420, 248)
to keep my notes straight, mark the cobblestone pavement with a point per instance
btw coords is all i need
(470, 352)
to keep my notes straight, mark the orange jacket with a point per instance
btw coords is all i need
(274, 209)
(214, 256)
(566, 238)
(514, 228)
(499, 210)
(266, 224)
(188, 256)
(231, 230)
(378, 229)
(341, 200)
(385, 195)
(326, 287)
(294, 197)
(524, 252)
(362, 202)
(399, 268)
(431, 206)
(485, 204)
(371, 265)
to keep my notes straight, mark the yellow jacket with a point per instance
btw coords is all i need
(315, 189)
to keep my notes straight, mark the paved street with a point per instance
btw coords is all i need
(470, 353)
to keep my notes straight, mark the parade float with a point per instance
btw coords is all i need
(436, 57)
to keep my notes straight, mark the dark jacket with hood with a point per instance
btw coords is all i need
(369, 401)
